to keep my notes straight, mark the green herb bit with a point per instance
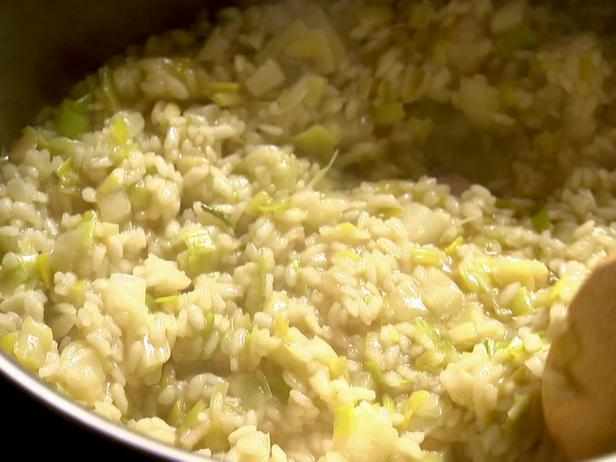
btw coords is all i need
(222, 216)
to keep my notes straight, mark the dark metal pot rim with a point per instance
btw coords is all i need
(71, 410)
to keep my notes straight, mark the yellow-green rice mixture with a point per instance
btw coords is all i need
(318, 231)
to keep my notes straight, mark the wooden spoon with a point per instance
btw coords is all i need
(579, 387)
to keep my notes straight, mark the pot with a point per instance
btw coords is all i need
(46, 47)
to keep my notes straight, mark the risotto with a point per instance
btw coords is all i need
(302, 231)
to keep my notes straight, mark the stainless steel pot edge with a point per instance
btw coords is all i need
(80, 415)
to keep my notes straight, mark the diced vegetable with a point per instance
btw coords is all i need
(347, 228)
(315, 88)
(427, 329)
(427, 256)
(176, 414)
(83, 104)
(57, 145)
(344, 421)
(67, 176)
(114, 207)
(517, 411)
(541, 221)
(479, 101)
(281, 326)
(337, 366)
(71, 120)
(34, 342)
(390, 333)
(492, 346)
(413, 403)
(375, 371)
(532, 274)
(78, 291)
(43, 267)
(317, 141)
(226, 87)
(169, 299)
(522, 303)
(81, 373)
(202, 254)
(263, 203)
(209, 324)
(364, 432)
(119, 129)
(272, 207)
(226, 99)
(198, 241)
(12, 277)
(112, 183)
(313, 46)
(453, 247)
(515, 350)
(192, 416)
(389, 404)
(258, 200)
(348, 254)
(8, 341)
(389, 114)
(252, 388)
(204, 263)
(462, 333)
(433, 223)
(139, 196)
(279, 387)
(86, 229)
(476, 276)
(265, 78)
(222, 216)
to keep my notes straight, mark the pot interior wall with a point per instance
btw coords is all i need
(45, 46)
